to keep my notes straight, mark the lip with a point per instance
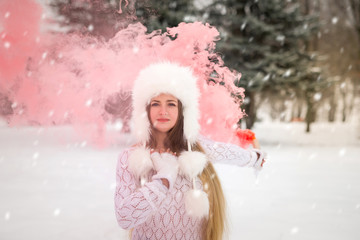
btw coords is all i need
(163, 120)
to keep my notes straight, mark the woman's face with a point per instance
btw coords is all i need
(164, 112)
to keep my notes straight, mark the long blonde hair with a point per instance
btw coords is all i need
(215, 226)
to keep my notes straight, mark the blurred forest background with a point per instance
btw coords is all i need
(299, 59)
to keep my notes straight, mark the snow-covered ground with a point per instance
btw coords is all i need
(53, 185)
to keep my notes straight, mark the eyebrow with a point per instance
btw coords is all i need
(166, 101)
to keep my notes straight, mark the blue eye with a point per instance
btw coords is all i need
(172, 104)
(154, 104)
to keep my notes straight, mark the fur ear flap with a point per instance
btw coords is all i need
(197, 203)
(140, 162)
(192, 163)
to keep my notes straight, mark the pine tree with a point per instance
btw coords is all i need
(265, 41)
(104, 18)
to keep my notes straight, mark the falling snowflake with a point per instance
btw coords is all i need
(287, 73)
(112, 186)
(118, 125)
(14, 105)
(280, 38)
(7, 45)
(88, 103)
(267, 77)
(7, 216)
(35, 155)
(317, 96)
(135, 49)
(334, 20)
(243, 26)
(294, 230)
(342, 152)
(312, 156)
(56, 212)
(91, 28)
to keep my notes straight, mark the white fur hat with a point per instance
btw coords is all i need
(171, 78)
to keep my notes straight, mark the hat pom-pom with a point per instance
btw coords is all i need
(197, 203)
(192, 163)
(140, 162)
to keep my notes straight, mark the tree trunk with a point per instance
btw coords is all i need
(310, 112)
(250, 110)
(343, 92)
(332, 111)
(344, 109)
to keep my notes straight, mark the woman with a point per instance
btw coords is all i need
(167, 187)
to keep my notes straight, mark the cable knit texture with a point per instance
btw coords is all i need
(153, 211)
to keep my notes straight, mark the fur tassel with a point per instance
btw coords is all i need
(197, 203)
(140, 162)
(192, 163)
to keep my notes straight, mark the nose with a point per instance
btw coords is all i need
(163, 111)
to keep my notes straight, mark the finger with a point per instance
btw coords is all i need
(262, 163)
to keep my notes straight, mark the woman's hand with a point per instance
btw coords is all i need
(256, 144)
(166, 165)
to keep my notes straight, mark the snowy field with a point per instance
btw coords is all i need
(53, 185)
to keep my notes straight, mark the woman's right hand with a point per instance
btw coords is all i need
(166, 166)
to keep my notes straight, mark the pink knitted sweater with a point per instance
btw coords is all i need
(153, 211)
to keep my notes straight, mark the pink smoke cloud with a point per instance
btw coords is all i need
(67, 79)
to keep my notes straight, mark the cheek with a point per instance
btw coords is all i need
(152, 115)
(175, 114)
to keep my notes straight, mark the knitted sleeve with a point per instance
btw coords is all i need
(228, 153)
(134, 204)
